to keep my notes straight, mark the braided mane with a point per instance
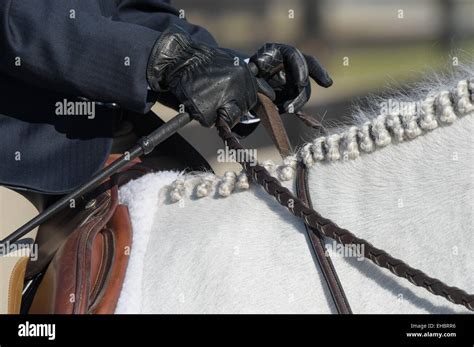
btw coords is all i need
(441, 104)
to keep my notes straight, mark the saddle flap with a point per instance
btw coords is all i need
(86, 273)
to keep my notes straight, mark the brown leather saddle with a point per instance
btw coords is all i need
(83, 253)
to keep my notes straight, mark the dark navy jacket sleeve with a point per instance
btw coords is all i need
(158, 15)
(69, 47)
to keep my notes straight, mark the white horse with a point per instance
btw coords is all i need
(403, 179)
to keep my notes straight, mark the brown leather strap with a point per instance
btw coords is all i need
(121, 229)
(308, 120)
(317, 241)
(270, 117)
(271, 120)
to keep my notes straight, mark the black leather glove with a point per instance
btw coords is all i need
(203, 78)
(287, 70)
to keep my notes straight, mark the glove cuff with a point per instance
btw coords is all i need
(174, 51)
(165, 54)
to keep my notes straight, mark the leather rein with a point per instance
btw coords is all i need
(318, 227)
(273, 123)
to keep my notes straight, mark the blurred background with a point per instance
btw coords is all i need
(368, 46)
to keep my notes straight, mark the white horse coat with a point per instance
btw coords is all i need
(247, 254)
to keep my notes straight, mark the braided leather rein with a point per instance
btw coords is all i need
(328, 228)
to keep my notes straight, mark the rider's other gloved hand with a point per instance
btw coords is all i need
(287, 70)
(204, 79)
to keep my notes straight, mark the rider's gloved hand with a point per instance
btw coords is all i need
(287, 70)
(204, 79)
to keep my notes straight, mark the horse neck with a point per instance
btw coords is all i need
(415, 199)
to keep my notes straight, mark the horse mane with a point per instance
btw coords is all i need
(439, 101)
(403, 116)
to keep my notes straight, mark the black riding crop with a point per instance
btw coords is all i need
(144, 146)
